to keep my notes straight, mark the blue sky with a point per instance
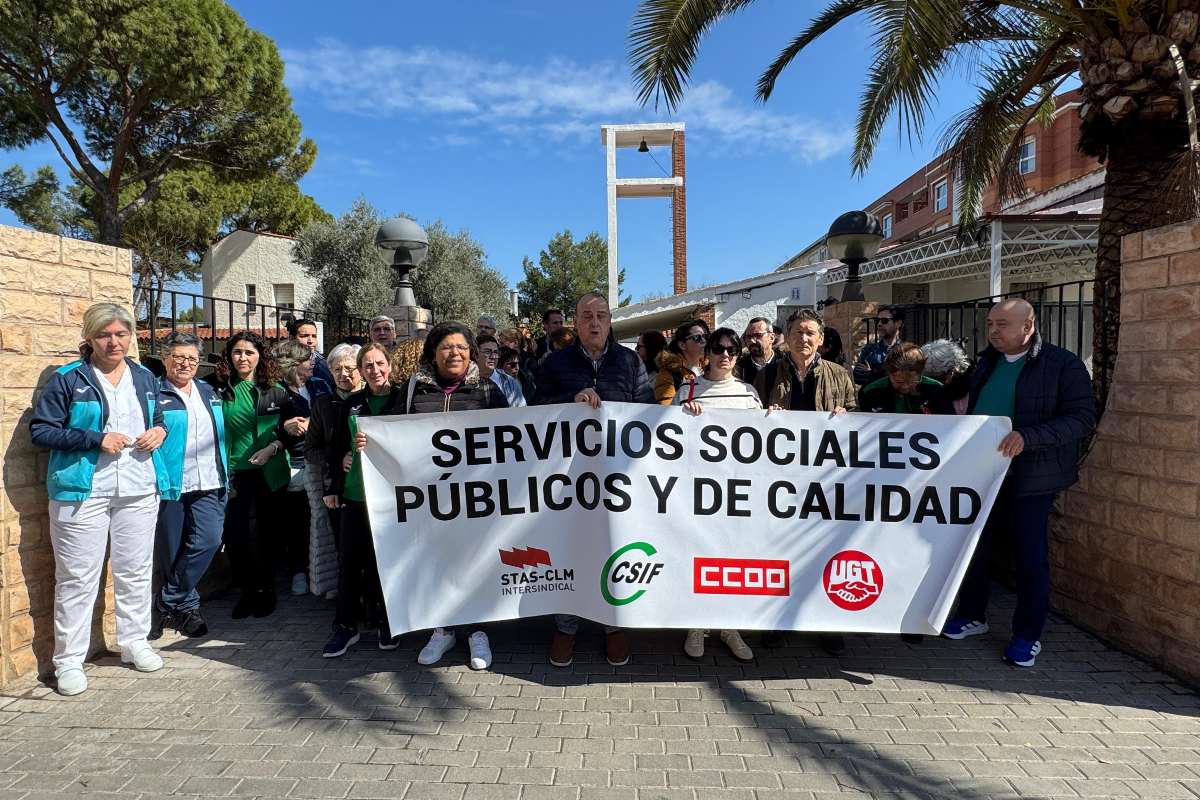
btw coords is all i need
(487, 114)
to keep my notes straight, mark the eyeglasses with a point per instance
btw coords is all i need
(756, 336)
(450, 348)
(698, 338)
(348, 370)
(718, 350)
(489, 354)
(185, 360)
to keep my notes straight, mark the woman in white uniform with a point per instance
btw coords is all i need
(99, 418)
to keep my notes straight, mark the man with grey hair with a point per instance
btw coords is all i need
(485, 326)
(1047, 393)
(383, 331)
(191, 512)
(592, 370)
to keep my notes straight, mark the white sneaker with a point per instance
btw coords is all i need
(441, 641)
(733, 640)
(693, 645)
(299, 584)
(142, 656)
(481, 650)
(71, 681)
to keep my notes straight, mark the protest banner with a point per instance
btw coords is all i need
(647, 516)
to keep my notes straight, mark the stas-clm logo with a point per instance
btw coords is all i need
(527, 578)
(631, 566)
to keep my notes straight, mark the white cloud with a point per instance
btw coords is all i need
(560, 99)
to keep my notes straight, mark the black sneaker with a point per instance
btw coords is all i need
(832, 643)
(342, 640)
(159, 620)
(771, 639)
(191, 624)
(386, 640)
(264, 603)
(244, 606)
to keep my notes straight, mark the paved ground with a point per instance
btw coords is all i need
(255, 712)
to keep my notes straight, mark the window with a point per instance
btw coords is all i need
(941, 196)
(285, 295)
(901, 212)
(1028, 155)
(251, 298)
(887, 226)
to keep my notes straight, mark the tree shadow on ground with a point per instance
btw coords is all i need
(887, 717)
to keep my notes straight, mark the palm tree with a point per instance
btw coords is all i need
(1022, 51)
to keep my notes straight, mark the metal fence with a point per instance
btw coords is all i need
(1065, 315)
(214, 319)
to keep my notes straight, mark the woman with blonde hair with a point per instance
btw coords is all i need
(99, 417)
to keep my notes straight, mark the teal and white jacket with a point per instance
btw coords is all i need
(69, 420)
(174, 411)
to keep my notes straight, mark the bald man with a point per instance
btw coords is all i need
(1047, 393)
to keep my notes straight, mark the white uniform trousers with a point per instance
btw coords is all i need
(80, 533)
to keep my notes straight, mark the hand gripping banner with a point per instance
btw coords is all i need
(646, 516)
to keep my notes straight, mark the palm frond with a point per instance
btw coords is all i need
(913, 42)
(663, 40)
(825, 21)
(983, 141)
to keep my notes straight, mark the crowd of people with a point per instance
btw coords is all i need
(162, 470)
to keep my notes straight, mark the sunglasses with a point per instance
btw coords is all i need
(718, 350)
(698, 338)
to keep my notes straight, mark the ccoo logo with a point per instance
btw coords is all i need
(853, 580)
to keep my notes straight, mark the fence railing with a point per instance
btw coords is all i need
(1065, 317)
(214, 319)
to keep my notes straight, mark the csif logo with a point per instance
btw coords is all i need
(853, 580)
(628, 567)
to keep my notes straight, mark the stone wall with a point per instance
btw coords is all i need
(1125, 549)
(46, 283)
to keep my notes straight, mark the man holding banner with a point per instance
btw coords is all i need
(1047, 393)
(594, 369)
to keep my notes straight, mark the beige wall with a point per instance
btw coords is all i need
(1125, 551)
(46, 283)
(264, 260)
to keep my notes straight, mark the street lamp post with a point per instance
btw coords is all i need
(409, 245)
(854, 239)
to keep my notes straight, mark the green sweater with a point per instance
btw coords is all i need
(249, 428)
(998, 397)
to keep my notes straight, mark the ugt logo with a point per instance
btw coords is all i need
(629, 566)
(853, 580)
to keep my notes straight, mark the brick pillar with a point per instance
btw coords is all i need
(46, 283)
(679, 215)
(1125, 545)
(847, 319)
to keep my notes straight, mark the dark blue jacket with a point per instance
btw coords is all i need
(621, 377)
(69, 420)
(1054, 413)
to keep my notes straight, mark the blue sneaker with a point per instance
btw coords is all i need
(342, 640)
(961, 628)
(1022, 652)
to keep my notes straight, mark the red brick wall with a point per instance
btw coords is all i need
(679, 215)
(1125, 550)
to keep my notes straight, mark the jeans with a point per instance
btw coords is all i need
(360, 597)
(187, 538)
(1026, 521)
(569, 624)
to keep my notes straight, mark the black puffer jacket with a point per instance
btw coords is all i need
(621, 377)
(473, 394)
(1054, 413)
